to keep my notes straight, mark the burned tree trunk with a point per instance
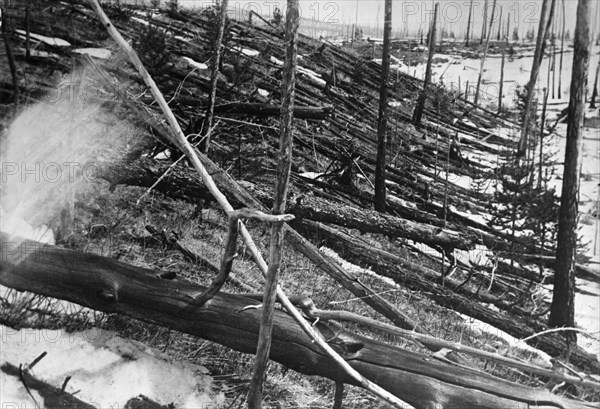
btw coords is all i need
(562, 313)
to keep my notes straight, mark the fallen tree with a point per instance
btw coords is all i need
(248, 108)
(161, 298)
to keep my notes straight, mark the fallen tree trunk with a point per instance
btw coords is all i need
(238, 108)
(369, 221)
(399, 270)
(111, 286)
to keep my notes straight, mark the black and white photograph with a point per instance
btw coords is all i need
(299, 204)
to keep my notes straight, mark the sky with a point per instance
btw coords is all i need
(410, 16)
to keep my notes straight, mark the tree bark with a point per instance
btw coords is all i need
(111, 286)
(380, 189)
(284, 166)
(562, 312)
(416, 119)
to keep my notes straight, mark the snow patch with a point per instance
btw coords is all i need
(55, 41)
(195, 64)
(100, 53)
(105, 368)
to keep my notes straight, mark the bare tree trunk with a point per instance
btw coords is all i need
(27, 32)
(562, 49)
(595, 91)
(469, 22)
(562, 311)
(504, 45)
(499, 36)
(284, 165)
(483, 25)
(9, 56)
(416, 119)
(487, 44)
(382, 122)
(535, 68)
(214, 78)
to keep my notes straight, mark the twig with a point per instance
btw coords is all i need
(22, 378)
(36, 360)
(64, 385)
(548, 331)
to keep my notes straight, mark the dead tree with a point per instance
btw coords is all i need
(281, 190)
(9, 55)
(487, 45)
(562, 49)
(483, 25)
(418, 114)
(469, 22)
(562, 312)
(504, 46)
(535, 69)
(382, 122)
(595, 91)
(214, 77)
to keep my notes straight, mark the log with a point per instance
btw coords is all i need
(369, 221)
(111, 286)
(258, 109)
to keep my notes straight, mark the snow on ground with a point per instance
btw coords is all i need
(481, 327)
(55, 41)
(100, 53)
(247, 51)
(16, 226)
(516, 72)
(275, 60)
(354, 269)
(195, 64)
(106, 370)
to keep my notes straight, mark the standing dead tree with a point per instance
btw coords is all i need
(469, 23)
(562, 310)
(545, 17)
(418, 114)
(284, 166)
(214, 76)
(380, 190)
(487, 45)
(9, 55)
